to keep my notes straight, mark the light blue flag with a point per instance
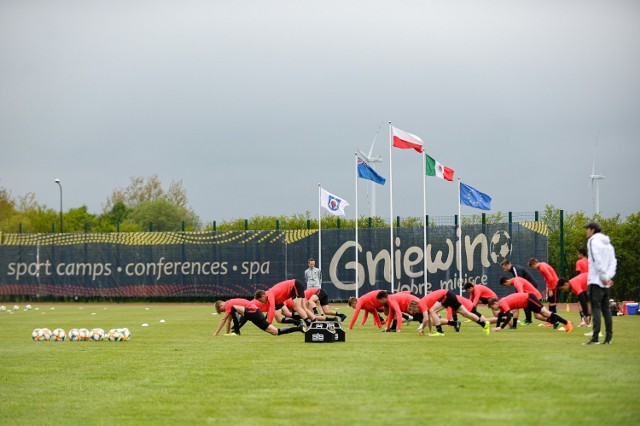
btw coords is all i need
(473, 198)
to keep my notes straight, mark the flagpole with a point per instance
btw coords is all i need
(319, 228)
(391, 256)
(424, 215)
(356, 246)
(459, 244)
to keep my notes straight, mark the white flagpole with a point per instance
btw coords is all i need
(356, 247)
(424, 215)
(391, 256)
(459, 244)
(319, 228)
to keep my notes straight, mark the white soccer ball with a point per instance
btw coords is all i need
(500, 246)
(16, 307)
(27, 308)
(47, 333)
(96, 334)
(58, 335)
(74, 335)
(114, 335)
(126, 334)
(84, 334)
(3, 308)
(40, 334)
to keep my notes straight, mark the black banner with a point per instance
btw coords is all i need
(237, 263)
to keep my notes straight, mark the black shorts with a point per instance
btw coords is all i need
(450, 301)
(323, 297)
(297, 290)
(483, 300)
(256, 317)
(554, 297)
(533, 304)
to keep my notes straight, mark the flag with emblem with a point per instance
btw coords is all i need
(334, 204)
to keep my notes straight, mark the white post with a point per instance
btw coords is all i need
(459, 243)
(391, 256)
(424, 216)
(356, 246)
(319, 228)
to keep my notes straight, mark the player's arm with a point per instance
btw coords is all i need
(425, 320)
(354, 317)
(376, 318)
(225, 319)
(272, 307)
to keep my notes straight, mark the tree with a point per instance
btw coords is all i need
(163, 215)
(140, 190)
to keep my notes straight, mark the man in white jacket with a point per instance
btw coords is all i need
(602, 269)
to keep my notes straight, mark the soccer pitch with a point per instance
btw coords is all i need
(176, 372)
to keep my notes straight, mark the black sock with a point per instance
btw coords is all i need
(287, 320)
(452, 323)
(454, 317)
(287, 330)
(554, 318)
(480, 323)
(439, 328)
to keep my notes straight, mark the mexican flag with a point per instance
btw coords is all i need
(438, 170)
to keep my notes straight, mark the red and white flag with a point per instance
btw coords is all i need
(405, 140)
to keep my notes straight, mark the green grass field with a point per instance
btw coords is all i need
(177, 373)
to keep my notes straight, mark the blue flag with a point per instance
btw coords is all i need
(366, 172)
(473, 198)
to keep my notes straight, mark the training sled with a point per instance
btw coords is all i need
(324, 332)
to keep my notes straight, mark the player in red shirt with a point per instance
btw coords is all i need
(250, 312)
(578, 285)
(288, 307)
(370, 304)
(521, 285)
(397, 304)
(319, 299)
(422, 308)
(582, 264)
(280, 292)
(550, 277)
(479, 293)
(450, 300)
(525, 301)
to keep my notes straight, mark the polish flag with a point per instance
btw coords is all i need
(405, 140)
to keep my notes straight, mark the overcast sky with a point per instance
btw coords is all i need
(253, 103)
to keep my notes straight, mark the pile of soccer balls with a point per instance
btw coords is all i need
(81, 334)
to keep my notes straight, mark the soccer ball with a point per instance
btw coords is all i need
(3, 308)
(74, 335)
(16, 307)
(114, 335)
(96, 334)
(27, 308)
(84, 334)
(58, 335)
(500, 246)
(41, 334)
(126, 334)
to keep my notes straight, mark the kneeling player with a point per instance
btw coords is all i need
(525, 301)
(449, 300)
(250, 312)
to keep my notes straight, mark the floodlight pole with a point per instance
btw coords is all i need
(60, 185)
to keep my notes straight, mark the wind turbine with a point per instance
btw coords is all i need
(596, 185)
(372, 159)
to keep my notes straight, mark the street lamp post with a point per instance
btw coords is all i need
(56, 180)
